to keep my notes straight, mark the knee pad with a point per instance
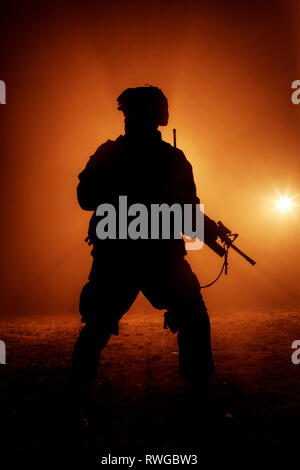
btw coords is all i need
(188, 315)
(87, 301)
(93, 315)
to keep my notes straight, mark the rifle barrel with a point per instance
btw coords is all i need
(240, 252)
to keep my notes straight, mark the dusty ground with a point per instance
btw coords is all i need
(140, 404)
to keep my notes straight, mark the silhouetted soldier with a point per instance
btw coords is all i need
(147, 170)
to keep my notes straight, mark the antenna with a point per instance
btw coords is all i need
(174, 138)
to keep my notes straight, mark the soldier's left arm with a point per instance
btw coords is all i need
(187, 193)
(183, 180)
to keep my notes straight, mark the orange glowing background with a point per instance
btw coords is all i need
(226, 68)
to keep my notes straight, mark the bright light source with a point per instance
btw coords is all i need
(284, 204)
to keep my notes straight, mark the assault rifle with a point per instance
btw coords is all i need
(226, 237)
(219, 231)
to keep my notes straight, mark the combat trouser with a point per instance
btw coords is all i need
(169, 284)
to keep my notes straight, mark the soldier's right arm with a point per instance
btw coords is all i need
(94, 180)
